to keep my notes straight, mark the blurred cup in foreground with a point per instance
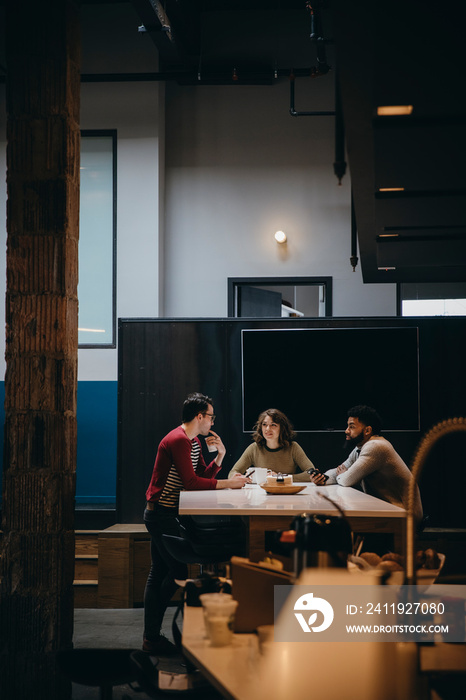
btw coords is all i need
(219, 615)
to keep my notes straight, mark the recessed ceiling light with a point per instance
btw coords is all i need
(391, 189)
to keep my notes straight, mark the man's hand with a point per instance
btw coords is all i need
(236, 482)
(248, 478)
(214, 440)
(318, 479)
(341, 468)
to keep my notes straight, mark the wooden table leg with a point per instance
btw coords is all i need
(392, 526)
(258, 526)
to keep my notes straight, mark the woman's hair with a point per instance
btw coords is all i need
(287, 434)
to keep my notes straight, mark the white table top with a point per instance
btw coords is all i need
(253, 500)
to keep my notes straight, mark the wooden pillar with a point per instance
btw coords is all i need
(43, 144)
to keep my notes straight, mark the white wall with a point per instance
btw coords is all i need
(111, 43)
(132, 109)
(239, 167)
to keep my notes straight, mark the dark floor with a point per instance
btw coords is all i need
(121, 629)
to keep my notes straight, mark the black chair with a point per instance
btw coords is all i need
(102, 668)
(207, 540)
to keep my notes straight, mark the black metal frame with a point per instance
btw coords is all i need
(235, 282)
(99, 133)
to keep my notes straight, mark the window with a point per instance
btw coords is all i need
(97, 240)
(432, 299)
(272, 297)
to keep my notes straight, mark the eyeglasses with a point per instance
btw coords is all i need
(211, 416)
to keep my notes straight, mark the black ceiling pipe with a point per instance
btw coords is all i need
(317, 36)
(339, 166)
(191, 77)
(354, 237)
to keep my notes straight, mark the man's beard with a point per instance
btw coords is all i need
(350, 444)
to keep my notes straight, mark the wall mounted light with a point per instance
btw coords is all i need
(280, 236)
(394, 110)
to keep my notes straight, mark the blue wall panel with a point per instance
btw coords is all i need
(97, 441)
(2, 423)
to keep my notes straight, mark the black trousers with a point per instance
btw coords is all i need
(164, 569)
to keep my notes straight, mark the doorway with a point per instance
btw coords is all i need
(282, 297)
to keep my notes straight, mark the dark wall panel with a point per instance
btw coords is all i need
(159, 364)
(162, 360)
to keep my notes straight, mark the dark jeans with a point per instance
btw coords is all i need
(160, 585)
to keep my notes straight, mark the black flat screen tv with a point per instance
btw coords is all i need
(315, 375)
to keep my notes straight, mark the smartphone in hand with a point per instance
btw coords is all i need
(315, 472)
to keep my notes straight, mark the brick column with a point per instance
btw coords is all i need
(36, 596)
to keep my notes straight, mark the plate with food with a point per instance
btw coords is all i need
(286, 490)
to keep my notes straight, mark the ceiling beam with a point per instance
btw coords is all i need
(157, 24)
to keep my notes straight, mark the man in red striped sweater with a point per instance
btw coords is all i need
(179, 465)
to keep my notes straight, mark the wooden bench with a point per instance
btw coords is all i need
(85, 569)
(123, 565)
(111, 570)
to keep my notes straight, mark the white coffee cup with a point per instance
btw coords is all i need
(259, 476)
(211, 448)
